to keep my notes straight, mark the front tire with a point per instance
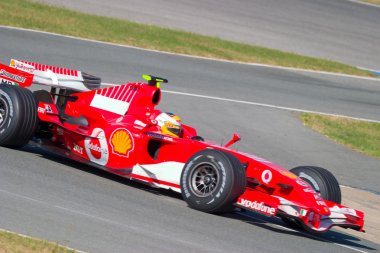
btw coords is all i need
(323, 182)
(212, 180)
(18, 116)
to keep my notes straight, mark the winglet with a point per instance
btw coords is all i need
(154, 80)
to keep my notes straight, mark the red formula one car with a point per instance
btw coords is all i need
(119, 130)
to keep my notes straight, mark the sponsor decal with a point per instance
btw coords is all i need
(122, 142)
(163, 119)
(303, 212)
(171, 125)
(321, 203)
(22, 66)
(97, 147)
(44, 68)
(48, 109)
(310, 179)
(41, 110)
(17, 78)
(7, 82)
(302, 183)
(259, 207)
(266, 176)
(159, 136)
(78, 149)
(348, 211)
(309, 189)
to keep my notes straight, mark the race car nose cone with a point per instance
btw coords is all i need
(323, 210)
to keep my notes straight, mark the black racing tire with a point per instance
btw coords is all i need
(322, 181)
(212, 180)
(18, 116)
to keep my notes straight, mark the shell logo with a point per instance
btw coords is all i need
(122, 142)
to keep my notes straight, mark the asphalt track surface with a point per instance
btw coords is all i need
(90, 210)
(339, 30)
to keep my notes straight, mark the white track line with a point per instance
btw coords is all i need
(259, 104)
(364, 3)
(193, 56)
(268, 105)
(304, 233)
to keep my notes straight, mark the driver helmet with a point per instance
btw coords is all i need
(171, 124)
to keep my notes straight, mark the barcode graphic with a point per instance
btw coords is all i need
(123, 93)
(116, 99)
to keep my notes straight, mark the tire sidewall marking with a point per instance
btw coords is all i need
(221, 185)
(187, 177)
(8, 101)
(310, 179)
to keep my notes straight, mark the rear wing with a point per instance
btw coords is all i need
(50, 75)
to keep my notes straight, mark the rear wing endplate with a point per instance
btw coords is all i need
(12, 76)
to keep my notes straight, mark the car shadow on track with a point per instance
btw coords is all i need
(272, 224)
(277, 226)
(99, 172)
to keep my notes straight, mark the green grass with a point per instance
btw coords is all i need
(10, 242)
(359, 135)
(26, 14)
(372, 1)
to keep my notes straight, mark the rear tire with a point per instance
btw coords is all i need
(212, 180)
(18, 116)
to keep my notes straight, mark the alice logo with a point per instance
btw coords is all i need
(121, 142)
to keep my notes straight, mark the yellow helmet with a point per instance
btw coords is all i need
(172, 126)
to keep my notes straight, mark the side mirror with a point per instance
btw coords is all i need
(235, 138)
